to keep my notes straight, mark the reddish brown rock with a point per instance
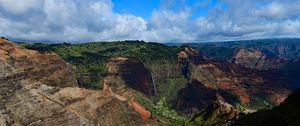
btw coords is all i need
(48, 68)
(219, 113)
(38, 94)
(234, 82)
(255, 59)
(145, 114)
(123, 71)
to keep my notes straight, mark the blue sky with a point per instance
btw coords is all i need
(141, 8)
(144, 8)
(149, 20)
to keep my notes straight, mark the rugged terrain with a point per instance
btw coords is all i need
(40, 89)
(238, 85)
(171, 84)
(286, 114)
(131, 72)
(255, 59)
(219, 113)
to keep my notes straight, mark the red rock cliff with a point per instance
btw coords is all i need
(130, 72)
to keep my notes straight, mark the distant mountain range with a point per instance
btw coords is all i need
(286, 48)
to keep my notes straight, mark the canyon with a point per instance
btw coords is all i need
(139, 83)
(40, 89)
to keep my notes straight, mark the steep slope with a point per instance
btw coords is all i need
(286, 114)
(255, 59)
(238, 85)
(125, 74)
(131, 72)
(31, 96)
(89, 59)
(283, 48)
(184, 78)
(47, 68)
(219, 113)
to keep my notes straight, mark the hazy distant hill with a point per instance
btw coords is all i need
(286, 48)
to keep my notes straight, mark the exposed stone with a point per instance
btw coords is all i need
(39, 89)
(255, 59)
(219, 113)
(123, 71)
(48, 68)
(234, 82)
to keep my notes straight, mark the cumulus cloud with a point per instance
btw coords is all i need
(237, 19)
(91, 20)
(67, 20)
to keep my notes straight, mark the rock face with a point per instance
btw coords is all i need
(186, 57)
(286, 114)
(255, 59)
(69, 106)
(130, 72)
(219, 113)
(190, 54)
(194, 97)
(235, 83)
(47, 68)
(39, 89)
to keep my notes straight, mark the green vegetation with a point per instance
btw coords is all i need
(240, 107)
(217, 53)
(161, 110)
(204, 118)
(256, 104)
(89, 63)
(286, 114)
(89, 59)
(170, 87)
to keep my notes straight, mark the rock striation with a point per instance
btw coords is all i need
(39, 89)
(256, 59)
(235, 83)
(219, 113)
(123, 71)
(47, 68)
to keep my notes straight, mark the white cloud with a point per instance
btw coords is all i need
(90, 20)
(69, 20)
(19, 7)
(250, 20)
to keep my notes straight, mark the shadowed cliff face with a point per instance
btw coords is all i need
(130, 72)
(218, 113)
(234, 82)
(194, 96)
(39, 89)
(286, 114)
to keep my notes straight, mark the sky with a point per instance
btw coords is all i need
(148, 20)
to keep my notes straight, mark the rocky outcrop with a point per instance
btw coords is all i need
(286, 113)
(68, 106)
(123, 71)
(219, 113)
(47, 68)
(145, 114)
(186, 57)
(235, 83)
(39, 89)
(191, 55)
(256, 59)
